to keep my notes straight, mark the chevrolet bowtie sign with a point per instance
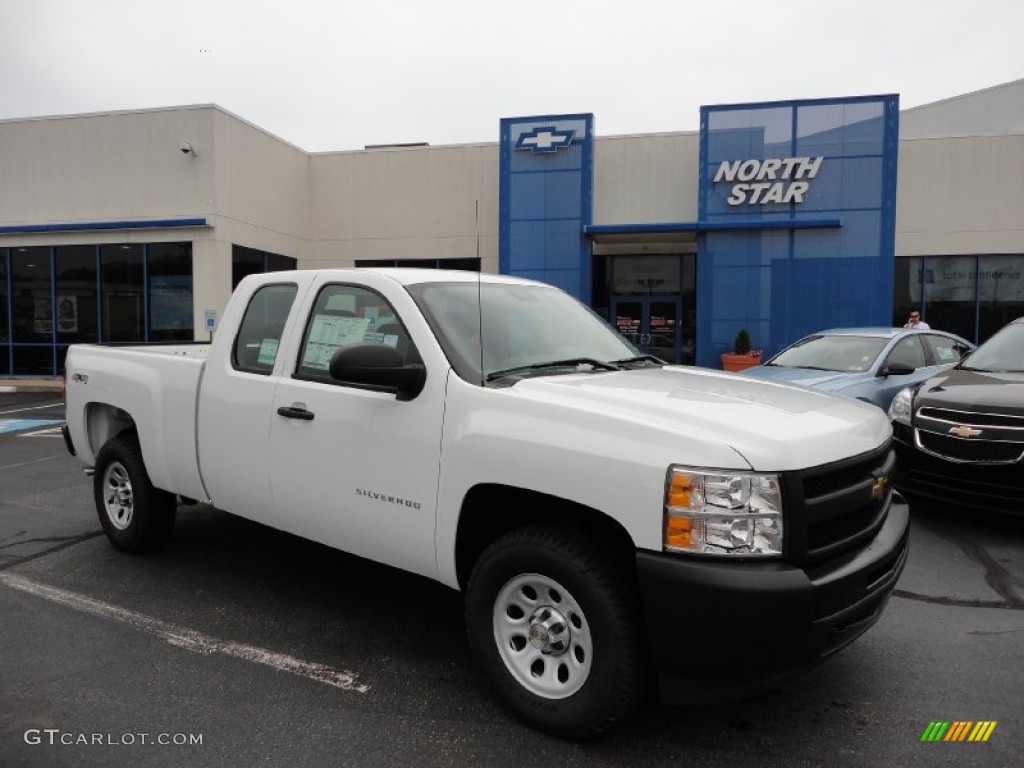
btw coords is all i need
(775, 180)
(545, 139)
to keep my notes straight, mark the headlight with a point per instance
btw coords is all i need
(723, 513)
(901, 407)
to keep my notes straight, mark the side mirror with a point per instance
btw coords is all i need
(896, 369)
(376, 366)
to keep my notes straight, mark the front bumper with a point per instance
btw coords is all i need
(993, 487)
(721, 630)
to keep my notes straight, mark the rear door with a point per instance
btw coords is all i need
(236, 392)
(354, 468)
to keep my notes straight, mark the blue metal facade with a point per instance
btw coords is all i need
(546, 199)
(760, 266)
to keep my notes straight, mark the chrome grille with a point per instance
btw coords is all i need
(973, 419)
(969, 450)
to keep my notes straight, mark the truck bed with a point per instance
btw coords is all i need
(153, 385)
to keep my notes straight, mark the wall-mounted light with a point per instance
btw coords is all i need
(186, 148)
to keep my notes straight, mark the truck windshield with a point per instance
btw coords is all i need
(521, 330)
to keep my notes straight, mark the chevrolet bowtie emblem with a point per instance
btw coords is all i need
(964, 432)
(879, 488)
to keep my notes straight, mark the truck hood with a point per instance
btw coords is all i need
(774, 427)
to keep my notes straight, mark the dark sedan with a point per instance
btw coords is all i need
(960, 435)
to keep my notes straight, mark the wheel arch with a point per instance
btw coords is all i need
(490, 510)
(104, 422)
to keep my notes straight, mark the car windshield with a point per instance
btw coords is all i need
(850, 354)
(526, 330)
(1002, 352)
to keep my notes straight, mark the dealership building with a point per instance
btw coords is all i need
(781, 218)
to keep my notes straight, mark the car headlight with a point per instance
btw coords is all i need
(723, 513)
(901, 407)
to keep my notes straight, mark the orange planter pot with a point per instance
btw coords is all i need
(739, 362)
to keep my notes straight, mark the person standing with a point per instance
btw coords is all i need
(915, 322)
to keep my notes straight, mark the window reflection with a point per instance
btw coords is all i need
(170, 292)
(31, 296)
(76, 293)
(122, 281)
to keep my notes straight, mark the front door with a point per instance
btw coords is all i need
(652, 324)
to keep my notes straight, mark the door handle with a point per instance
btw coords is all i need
(290, 412)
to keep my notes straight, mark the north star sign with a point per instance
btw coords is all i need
(775, 180)
(545, 139)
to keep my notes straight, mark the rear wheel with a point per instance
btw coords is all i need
(134, 515)
(555, 621)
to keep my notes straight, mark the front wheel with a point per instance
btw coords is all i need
(554, 619)
(134, 514)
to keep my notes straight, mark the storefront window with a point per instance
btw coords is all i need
(170, 292)
(33, 360)
(1000, 292)
(907, 289)
(5, 333)
(31, 296)
(76, 293)
(249, 261)
(950, 293)
(122, 285)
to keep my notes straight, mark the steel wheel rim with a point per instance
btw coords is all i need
(118, 498)
(526, 617)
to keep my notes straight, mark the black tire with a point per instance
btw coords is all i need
(575, 684)
(134, 515)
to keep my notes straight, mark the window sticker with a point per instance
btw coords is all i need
(327, 334)
(268, 352)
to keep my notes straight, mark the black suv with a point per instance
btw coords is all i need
(960, 435)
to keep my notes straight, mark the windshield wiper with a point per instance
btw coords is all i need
(638, 359)
(569, 363)
(978, 370)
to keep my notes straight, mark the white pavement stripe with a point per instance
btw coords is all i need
(48, 432)
(189, 639)
(33, 408)
(26, 463)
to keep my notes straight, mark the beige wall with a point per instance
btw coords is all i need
(105, 167)
(960, 196)
(405, 203)
(646, 179)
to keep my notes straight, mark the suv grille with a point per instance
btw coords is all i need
(838, 506)
(959, 449)
(974, 419)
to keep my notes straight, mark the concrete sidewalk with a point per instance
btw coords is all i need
(19, 384)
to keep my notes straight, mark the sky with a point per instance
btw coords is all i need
(339, 75)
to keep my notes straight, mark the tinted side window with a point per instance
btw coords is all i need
(908, 352)
(944, 350)
(259, 336)
(344, 315)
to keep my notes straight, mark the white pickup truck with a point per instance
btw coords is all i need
(613, 521)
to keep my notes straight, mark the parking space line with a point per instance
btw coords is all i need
(33, 408)
(188, 639)
(48, 432)
(26, 463)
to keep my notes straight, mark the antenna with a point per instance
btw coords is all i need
(479, 291)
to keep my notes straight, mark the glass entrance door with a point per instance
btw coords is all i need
(651, 324)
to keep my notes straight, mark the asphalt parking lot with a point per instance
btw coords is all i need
(239, 645)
